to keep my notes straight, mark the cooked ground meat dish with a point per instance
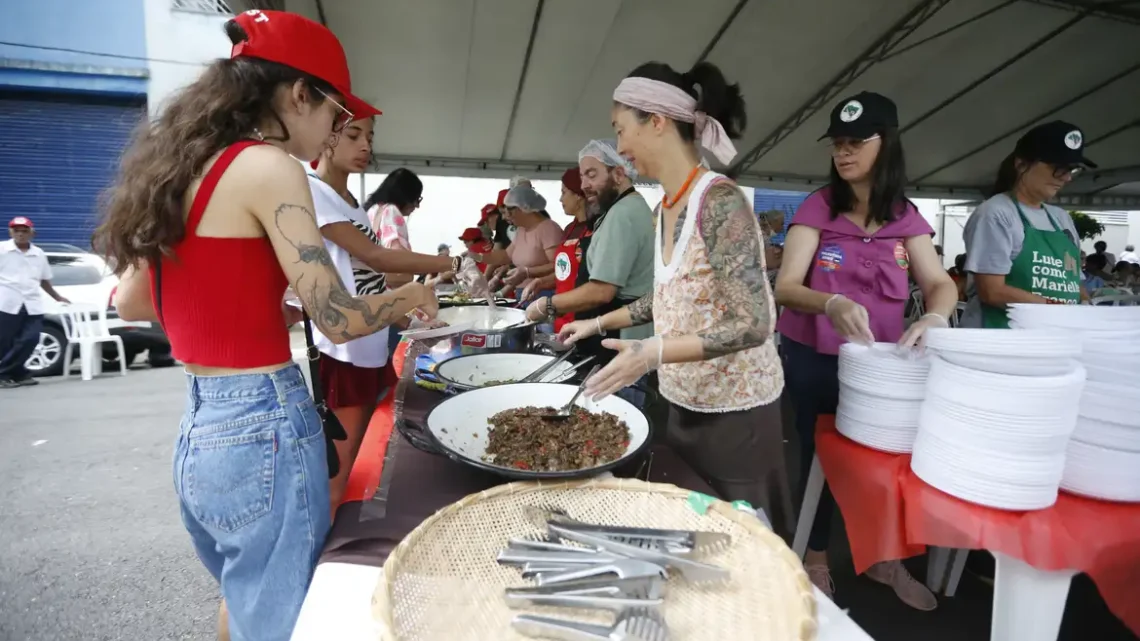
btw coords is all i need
(522, 439)
(505, 381)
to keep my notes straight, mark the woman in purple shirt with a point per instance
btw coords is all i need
(844, 277)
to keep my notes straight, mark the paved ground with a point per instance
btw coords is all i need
(92, 549)
(91, 546)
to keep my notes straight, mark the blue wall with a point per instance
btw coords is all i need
(785, 201)
(115, 27)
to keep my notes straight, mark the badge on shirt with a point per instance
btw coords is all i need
(902, 259)
(578, 253)
(830, 258)
(562, 266)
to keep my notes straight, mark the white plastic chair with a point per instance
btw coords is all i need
(917, 305)
(89, 333)
(1116, 300)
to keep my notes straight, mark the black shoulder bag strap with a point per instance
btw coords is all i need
(334, 431)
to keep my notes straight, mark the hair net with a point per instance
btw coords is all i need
(525, 198)
(606, 152)
(520, 180)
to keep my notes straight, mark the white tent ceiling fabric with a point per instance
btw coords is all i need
(500, 87)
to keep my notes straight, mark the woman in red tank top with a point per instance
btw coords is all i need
(210, 219)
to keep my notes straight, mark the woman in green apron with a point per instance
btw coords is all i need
(1019, 249)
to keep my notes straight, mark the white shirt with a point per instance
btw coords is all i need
(21, 273)
(1129, 257)
(368, 351)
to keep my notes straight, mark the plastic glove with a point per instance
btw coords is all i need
(537, 310)
(579, 331)
(850, 320)
(515, 276)
(530, 291)
(634, 359)
(472, 279)
(916, 333)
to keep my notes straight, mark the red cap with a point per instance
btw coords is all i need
(297, 42)
(502, 195)
(471, 233)
(20, 221)
(572, 180)
(488, 211)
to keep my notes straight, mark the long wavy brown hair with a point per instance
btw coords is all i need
(143, 213)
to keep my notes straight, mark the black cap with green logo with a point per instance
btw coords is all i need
(861, 116)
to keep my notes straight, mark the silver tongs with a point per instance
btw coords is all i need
(692, 570)
(674, 541)
(635, 624)
(614, 595)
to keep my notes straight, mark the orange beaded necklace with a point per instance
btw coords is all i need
(670, 202)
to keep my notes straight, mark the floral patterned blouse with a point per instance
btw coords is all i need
(687, 300)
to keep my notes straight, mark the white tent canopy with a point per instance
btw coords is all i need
(501, 87)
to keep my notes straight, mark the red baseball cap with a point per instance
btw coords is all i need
(295, 41)
(20, 221)
(502, 195)
(471, 233)
(488, 211)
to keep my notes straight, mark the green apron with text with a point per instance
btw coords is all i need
(1048, 265)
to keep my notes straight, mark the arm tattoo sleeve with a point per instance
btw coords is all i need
(321, 288)
(735, 252)
(641, 310)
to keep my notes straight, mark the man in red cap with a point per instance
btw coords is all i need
(24, 271)
(474, 240)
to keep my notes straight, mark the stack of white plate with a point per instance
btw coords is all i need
(880, 393)
(1036, 352)
(1103, 460)
(996, 439)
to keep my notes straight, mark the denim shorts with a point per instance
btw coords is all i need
(252, 482)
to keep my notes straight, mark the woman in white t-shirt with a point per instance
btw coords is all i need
(352, 374)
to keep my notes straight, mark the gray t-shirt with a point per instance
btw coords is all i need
(621, 254)
(994, 234)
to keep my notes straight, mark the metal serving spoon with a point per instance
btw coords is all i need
(564, 413)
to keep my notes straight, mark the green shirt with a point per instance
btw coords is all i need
(621, 254)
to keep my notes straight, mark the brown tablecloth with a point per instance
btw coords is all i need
(414, 485)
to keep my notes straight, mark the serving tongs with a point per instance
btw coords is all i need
(691, 570)
(634, 624)
(679, 542)
(536, 375)
(551, 558)
(612, 595)
(648, 587)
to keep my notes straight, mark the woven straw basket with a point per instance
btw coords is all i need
(442, 583)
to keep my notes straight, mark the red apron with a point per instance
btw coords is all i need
(566, 264)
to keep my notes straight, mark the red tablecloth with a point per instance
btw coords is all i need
(892, 514)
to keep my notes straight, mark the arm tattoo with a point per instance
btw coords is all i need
(323, 291)
(735, 252)
(641, 310)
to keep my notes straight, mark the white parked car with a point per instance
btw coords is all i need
(85, 280)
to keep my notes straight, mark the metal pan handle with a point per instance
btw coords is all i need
(418, 436)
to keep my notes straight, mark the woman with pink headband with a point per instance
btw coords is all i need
(711, 305)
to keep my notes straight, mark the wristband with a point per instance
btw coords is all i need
(456, 263)
(598, 322)
(551, 313)
(660, 353)
(526, 271)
